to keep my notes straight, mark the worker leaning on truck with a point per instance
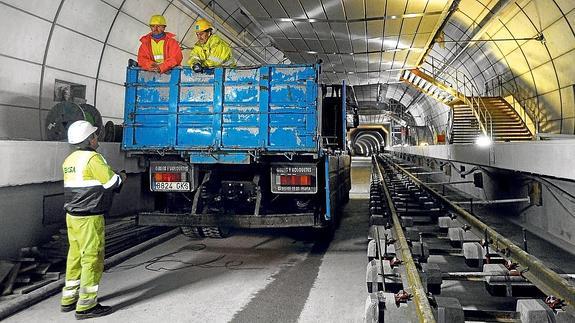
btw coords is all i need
(89, 184)
(210, 50)
(159, 51)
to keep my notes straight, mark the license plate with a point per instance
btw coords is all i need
(172, 186)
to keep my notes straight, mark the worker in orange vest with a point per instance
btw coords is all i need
(159, 51)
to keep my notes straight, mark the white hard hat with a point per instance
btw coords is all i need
(79, 131)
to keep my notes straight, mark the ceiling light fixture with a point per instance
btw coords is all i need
(286, 19)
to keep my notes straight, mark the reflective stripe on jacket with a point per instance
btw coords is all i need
(172, 53)
(214, 53)
(89, 183)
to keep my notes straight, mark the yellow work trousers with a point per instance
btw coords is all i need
(85, 262)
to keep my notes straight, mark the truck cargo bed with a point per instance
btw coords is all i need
(224, 113)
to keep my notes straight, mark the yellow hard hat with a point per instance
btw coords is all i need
(201, 25)
(157, 20)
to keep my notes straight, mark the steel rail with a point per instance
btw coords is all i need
(534, 269)
(423, 308)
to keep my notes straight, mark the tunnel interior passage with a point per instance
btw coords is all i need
(368, 141)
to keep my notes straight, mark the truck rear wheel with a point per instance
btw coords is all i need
(195, 233)
(216, 232)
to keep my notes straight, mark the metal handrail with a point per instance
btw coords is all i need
(450, 119)
(466, 91)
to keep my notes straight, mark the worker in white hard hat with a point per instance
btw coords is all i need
(89, 184)
(159, 50)
(210, 50)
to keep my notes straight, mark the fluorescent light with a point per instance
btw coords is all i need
(483, 141)
(312, 20)
(311, 52)
(286, 19)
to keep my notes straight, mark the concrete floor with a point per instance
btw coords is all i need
(253, 276)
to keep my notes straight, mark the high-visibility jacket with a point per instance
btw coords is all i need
(214, 53)
(171, 56)
(89, 183)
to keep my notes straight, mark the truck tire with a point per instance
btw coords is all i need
(216, 232)
(195, 233)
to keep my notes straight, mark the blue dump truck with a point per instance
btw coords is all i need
(253, 147)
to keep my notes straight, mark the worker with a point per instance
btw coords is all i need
(210, 50)
(89, 184)
(159, 51)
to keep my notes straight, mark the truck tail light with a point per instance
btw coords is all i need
(295, 180)
(169, 177)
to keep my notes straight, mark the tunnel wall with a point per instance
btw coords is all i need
(538, 73)
(87, 42)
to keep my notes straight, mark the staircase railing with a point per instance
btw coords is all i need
(496, 86)
(448, 135)
(466, 91)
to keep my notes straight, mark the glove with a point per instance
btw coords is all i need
(197, 68)
(123, 176)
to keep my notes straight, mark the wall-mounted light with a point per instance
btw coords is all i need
(483, 141)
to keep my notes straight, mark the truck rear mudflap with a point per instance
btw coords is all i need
(232, 221)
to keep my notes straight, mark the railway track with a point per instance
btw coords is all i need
(430, 260)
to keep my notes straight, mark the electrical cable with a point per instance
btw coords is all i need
(165, 259)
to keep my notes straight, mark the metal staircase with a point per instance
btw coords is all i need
(507, 125)
(472, 115)
(464, 125)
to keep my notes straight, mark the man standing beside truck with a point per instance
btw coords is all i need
(159, 51)
(210, 50)
(89, 186)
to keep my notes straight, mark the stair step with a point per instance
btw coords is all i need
(499, 111)
(512, 133)
(516, 129)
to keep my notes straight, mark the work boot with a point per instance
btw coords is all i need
(68, 308)
(95, 311)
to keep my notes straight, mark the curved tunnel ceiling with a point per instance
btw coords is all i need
(367, 141)
(361, 41)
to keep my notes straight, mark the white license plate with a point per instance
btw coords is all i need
(171, 186)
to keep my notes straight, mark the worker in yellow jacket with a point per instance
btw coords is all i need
(210, 50)
(89, 186)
